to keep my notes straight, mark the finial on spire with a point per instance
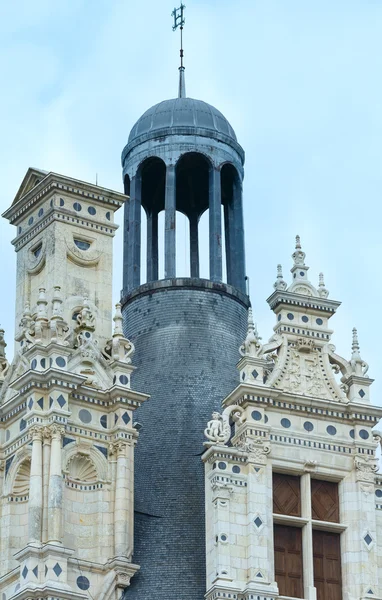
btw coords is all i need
(355, 342)
(280, 284)
(251, 346)
(322, 291)
(179, 21)
(299, 268)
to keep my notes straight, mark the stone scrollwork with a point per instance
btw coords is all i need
(366, 467)
(218, 430)
(257, 449)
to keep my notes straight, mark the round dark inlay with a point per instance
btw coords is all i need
(123, 379)
(352, 434)
(108, 216)
(77, 206)
(308, 426)
(364, 434)
(279, 317)
(222, 466)
(103, 421)
(378, 493)
(62, 202)
(30, 220)
(84, 415)
(91, 210)
(319, 321)
(305, 319)
(60, 361)
(290, 316)
(331, 430)
(285, 423)
(83, 582)
(302, 273)
(235, 469)
(256, 415)
(34, 364)
(40, 212)
(223, 537)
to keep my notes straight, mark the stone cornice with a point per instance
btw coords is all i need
(246, 394)
(54, 182)
(312, 302)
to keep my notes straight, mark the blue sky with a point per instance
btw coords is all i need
(300, 83)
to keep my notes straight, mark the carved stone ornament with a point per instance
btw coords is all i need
(218, 430)
(366, 468)
(122, 579)
(257, 449)
(222, 489)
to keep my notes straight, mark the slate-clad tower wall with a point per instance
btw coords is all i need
(182, 156)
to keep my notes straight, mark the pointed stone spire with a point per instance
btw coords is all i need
(299, 269)
(322, 291)
(358, 365)
(280, 284)
(182, 83)
(4, 365)
(118, 331)
(251, 346)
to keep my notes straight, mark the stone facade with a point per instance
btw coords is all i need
(66, 433)
(300, 410)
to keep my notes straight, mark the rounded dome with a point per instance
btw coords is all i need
(182, 115)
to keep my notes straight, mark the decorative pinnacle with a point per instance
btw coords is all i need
(299, 261)
(251, 346)
(118, 331)
(355, 342)
(2, 343)
(322, 291)
(280, 284)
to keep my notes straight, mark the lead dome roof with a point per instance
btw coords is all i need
(182, 113)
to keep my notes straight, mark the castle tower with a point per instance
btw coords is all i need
(66, 404)
(182, 155)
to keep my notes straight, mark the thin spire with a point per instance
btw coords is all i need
(322, 291)
(355, 343)
(179, 21)
(280, 284)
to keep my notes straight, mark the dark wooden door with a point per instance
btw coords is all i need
(327, 565)
(288, 560)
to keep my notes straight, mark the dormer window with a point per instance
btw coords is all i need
(82, 245)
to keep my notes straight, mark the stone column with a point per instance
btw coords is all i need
(215, 225)
(45, 481)
(55, 492)
(152, 246)
(238, 266)
(35, 488)
(123, 528)
(134, 234)
(170, 218)
(229, 240)
(307, 539)
(194, 245)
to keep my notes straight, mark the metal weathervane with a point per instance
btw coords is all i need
(179, 21)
